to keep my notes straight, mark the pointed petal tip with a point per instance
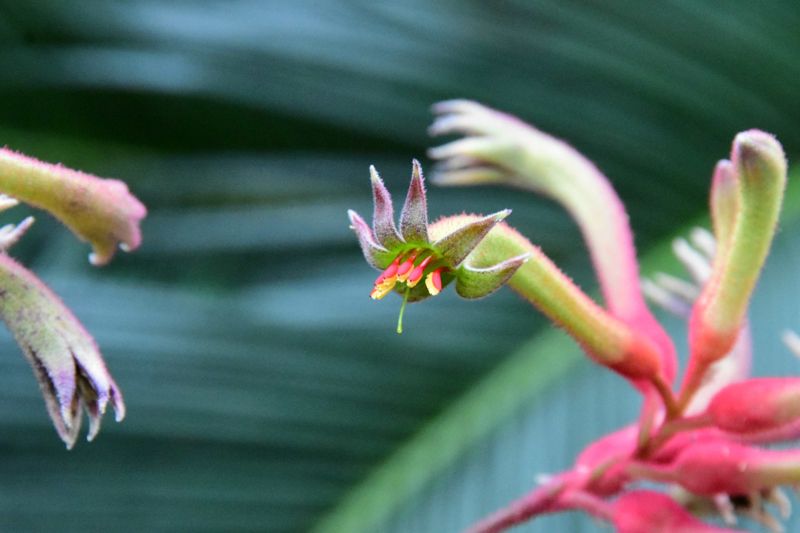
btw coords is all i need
(119, 412)
(7, 202)
(416, 171)
(457, 245)
(354, 217)
(414, 215)
(452, 105)
(118, 403)
(374, 176)
(501, 215)
(94, 426)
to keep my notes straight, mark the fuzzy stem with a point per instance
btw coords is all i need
(607, 339)
(522, 156)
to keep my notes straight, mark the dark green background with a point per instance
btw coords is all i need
(263, 385)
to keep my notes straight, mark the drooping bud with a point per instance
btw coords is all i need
(647, 511)
(600, 462)
(101, 211)
(64, 357)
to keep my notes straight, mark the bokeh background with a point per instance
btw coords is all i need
(266, 392)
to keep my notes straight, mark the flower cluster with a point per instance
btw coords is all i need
(65, 359)
(704, 438)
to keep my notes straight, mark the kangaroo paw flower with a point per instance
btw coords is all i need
(420, 259)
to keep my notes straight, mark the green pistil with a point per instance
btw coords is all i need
(402, 310)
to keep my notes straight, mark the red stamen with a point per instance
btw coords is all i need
(390, 271)
(416, 274)
(385, 281)
(405, 267)
(434, 282)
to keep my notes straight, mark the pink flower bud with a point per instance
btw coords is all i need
(645, 511)
(724, 467)
(756, 405)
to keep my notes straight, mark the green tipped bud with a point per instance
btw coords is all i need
(760, 176)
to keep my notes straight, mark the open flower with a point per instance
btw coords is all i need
(419, 260)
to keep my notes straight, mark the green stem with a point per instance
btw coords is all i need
(402, 311)
(607, 339)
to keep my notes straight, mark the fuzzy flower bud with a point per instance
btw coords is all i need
(759, 167)
(101, 211)
(420, 259)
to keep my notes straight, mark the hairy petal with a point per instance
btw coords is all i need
(456, 246)
(383, 217)
(375, 254)
(414, 216)
(65, 358)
